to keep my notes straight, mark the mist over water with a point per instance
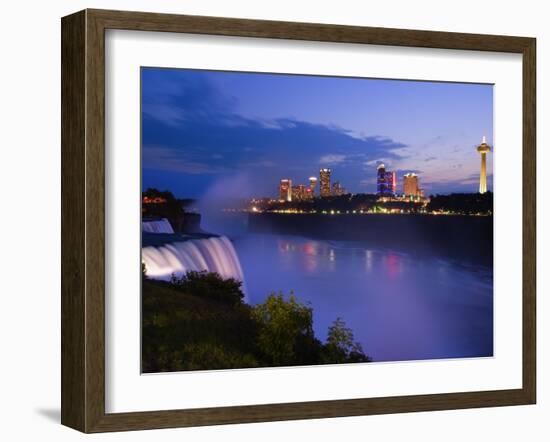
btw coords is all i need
(400, 304)
(225, 193)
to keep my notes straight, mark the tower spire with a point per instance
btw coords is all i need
(483, 149)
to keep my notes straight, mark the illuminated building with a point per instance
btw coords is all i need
(391, 182)
(154, 200)
(410, 185)
(483, 149)
(299, 192)
(285, 190)
(385, 182)
(312, 185)
(381, 179)
(337, 189)
(324, 175)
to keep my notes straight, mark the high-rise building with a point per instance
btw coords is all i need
(410, 185)
(285, 190)
(385, 182)
(381, 179)
(299, 192)
(337, 189)
(391, 182)
(312, 185)
(324, 175)
(483, 149)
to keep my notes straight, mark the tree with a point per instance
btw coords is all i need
(341, 347)
(199, 322)
(286, 334)
(209, 285)
(463, 203)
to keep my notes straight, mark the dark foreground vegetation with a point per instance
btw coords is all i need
(200, 322)
(452, 204)
(463, 203)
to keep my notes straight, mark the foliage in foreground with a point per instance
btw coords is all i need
(209, 285)
(463, 203)
(200, 322)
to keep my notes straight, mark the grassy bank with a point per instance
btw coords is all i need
(200, 322)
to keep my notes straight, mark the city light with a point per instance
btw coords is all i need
(334, 199)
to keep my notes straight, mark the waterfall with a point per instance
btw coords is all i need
(214, 254)
(156, 226)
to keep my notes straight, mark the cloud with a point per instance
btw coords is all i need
(194, 129)
(467, 184)
(401, 172)
(387, 162)
(368, 182)
(174, 160)
(332, 159)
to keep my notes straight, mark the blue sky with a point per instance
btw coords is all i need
(207, 131)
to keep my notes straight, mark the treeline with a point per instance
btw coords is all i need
(343, 203)
(458, 203)
(172, 208)
(463, 203)
(200, 322)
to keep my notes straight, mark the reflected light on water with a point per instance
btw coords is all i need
(368, 260)
(309, 248)
(400, 306)
(393, 265)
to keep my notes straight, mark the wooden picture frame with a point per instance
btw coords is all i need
(83, 220)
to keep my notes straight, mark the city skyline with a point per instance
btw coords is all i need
(388, 184)
(203, 128)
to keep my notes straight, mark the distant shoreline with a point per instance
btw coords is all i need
(292, 212)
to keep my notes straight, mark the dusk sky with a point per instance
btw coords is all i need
(205, 131)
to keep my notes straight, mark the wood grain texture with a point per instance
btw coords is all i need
(83, 220)
(529, 220)
(73, 255)
(95, 222)
(143, 21)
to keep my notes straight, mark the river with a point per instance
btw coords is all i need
(402, 302)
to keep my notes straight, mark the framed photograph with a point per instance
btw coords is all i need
(267, 220)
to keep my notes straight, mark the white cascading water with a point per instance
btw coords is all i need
(157, 226)
(215, 254)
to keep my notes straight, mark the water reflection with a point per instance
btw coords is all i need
(400, 306)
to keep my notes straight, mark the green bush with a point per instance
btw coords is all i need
(463, 203)
(203, 356)
(341, 347)
(209, 285)
(200, 322)
(286, 331)
(181, 331)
